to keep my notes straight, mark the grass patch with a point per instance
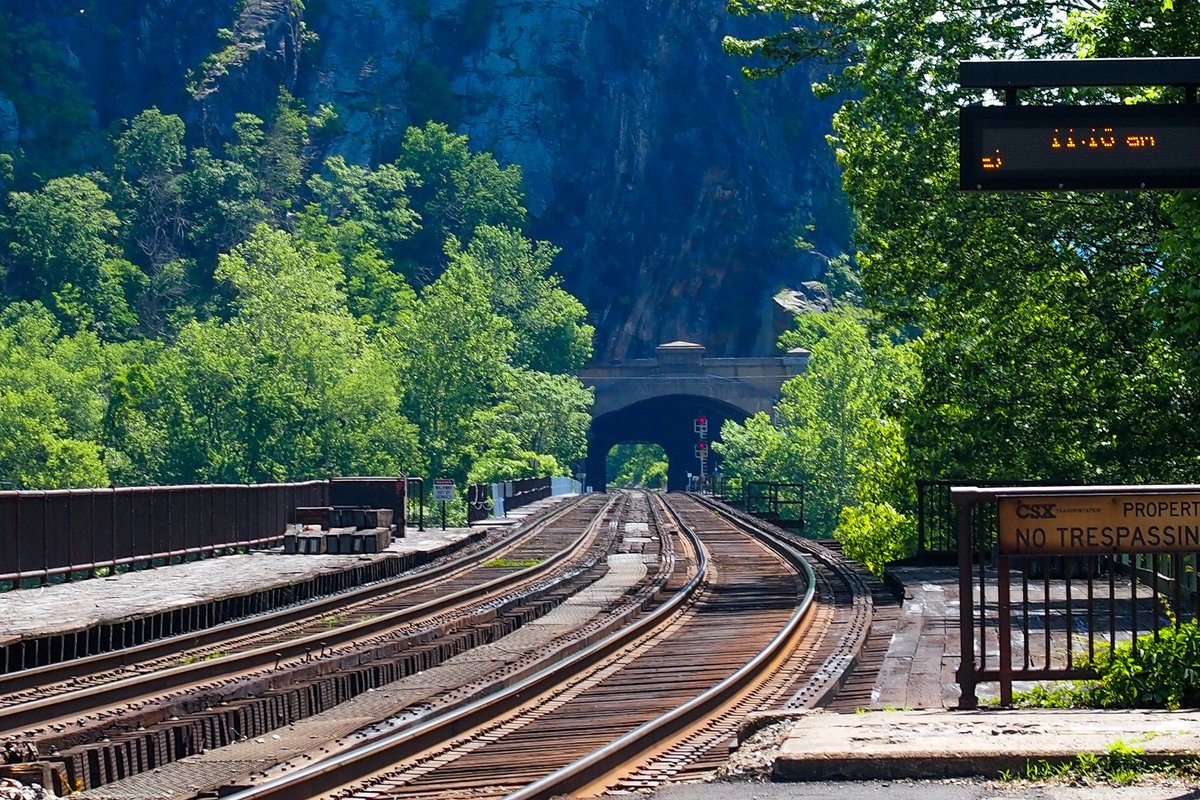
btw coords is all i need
(513, 562)
(198, 659)
(1121, 764)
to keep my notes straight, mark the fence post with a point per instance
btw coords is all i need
(966, 601)
(920, 517)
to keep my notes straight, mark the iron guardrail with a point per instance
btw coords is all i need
(777, 501)
(1047, 617)
(66, 533)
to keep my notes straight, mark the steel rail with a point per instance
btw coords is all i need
(380, 753)
(603, 761)
(20, 717)
(22, 680)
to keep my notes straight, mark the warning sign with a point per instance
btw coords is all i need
(1092, 524)
(443, 489)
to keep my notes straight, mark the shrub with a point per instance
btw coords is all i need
(1153, 672)
(1160, 671)
(875, 534)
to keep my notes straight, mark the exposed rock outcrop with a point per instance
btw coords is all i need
(674, 186)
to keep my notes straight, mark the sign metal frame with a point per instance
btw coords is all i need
(1108, 147)
(1165, 149)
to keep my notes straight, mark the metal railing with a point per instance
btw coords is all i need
(481, 497)
(1047, 617)
(937, 536)
(67, 532)
(777, 501)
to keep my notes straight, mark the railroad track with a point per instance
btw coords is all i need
(612, 709)
(325, 615)
(484, 597)
(741, 633)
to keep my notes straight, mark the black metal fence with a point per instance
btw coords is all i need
(779, 502)
(936, 535)
(70, 531)
(937, 538)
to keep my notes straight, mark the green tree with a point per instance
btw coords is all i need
(369, 205)
(1038, 354)
(51, 402)
(829, 418)
(290, 386)
(282, 337)
(549, 323)
(1140, 28)
(63, 252)
(547, 414)
(361, 214)
(637, 464)
(273, 152)
(257, 181)
(135, 442)
(149, 182)
(456, 191)
(504, 459)
(455, 354)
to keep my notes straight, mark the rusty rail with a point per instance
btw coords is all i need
(383, 752)
(583, 771)
(27, 715)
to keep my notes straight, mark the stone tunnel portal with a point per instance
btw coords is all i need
(667, 421)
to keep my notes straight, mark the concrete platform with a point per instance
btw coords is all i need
(911, 731)
(69, 608)
(946, 744)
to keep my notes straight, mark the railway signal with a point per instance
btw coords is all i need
(700, 425)
(702, 451)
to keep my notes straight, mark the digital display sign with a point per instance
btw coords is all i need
(1012, 148)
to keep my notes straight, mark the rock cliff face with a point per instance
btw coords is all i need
(674, 186)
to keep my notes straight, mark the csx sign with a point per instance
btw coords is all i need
(1036, 510)
(1138, 520)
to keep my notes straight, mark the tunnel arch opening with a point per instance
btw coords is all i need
(667, 421)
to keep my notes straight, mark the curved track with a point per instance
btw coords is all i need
(733, 623)
(569, 547)
(626, 689)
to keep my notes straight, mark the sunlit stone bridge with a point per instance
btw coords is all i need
(656, 400)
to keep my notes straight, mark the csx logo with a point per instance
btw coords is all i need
(1035, 510)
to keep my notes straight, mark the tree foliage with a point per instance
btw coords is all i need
(456, 191)
(637, 464)
(51, 402)
(1054, 332)
(223, 314)
(831, 425)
